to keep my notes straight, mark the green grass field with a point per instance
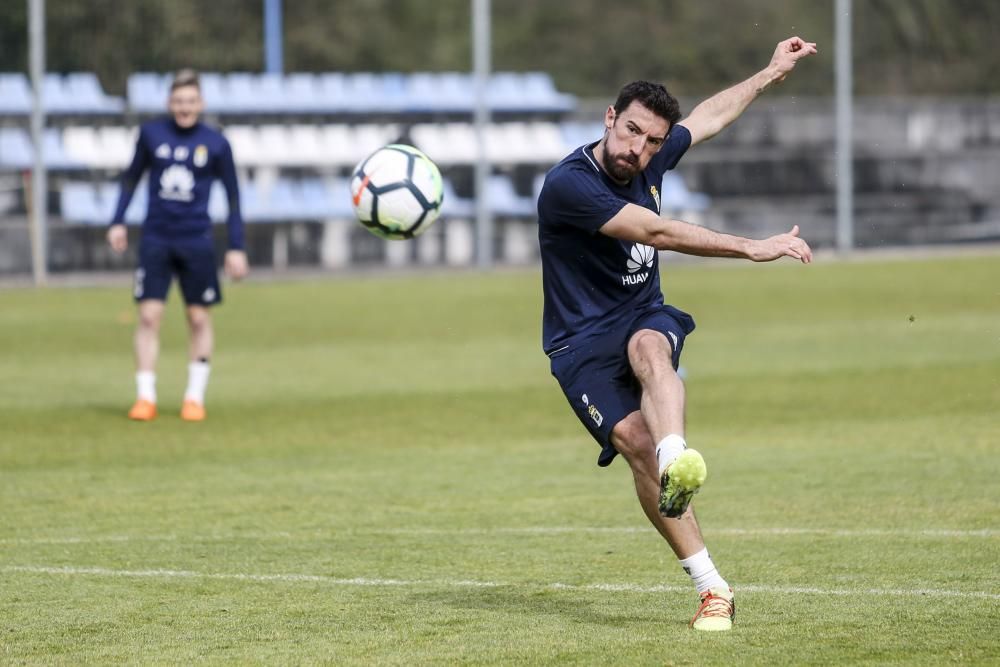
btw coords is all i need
(389, 475)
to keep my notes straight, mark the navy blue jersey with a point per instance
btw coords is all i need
(590, 279)
(182, 163)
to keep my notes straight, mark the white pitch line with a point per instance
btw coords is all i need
(524, 530)
(465, 583)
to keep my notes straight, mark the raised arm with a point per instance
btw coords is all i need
(717, 112)
(640, 225)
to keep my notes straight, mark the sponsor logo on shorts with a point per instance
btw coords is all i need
(208, 296)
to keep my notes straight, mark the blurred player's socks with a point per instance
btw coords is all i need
(668, 450)
(145, 386)
(197, 381)
(702, 571)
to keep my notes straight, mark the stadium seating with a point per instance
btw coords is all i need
(292, 169)
(279, 200)
(355, 93)
(76, 93)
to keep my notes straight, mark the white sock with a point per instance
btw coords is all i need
(702, 571)
(197, 381)
(145, 386)
(669, 449)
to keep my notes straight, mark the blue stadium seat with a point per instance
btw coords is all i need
(16, 152)
(238, 94)
(576, 134)
(15, 93)
(88, 94)
(504, 200)
(302, 93)
(675, 196)
(284, 201)
(339, 192)
(212, 91)
(77, 93)
(446, 92)
(251, 206)
(541, 94)
(332, 91)
(78, 203)
(107, 200)
(55, 155)
(454, 206)
(505, 92)
(147, 92)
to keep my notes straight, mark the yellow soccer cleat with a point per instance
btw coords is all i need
(717, 611)
(192, 411)
(680, 481)
(143, 411)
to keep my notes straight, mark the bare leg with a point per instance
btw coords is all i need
(147, 335)
(202, 336)
(662, 404)
(632, 440)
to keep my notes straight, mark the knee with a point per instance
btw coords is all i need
(149, 320)
(631, 438)
(198, 319)
(649, 353)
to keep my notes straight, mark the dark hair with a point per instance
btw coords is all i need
(653, 96)
(185, 77)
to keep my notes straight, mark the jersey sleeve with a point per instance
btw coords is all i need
(577, 197)
(227, 174)
(673, 149)
(130, 177)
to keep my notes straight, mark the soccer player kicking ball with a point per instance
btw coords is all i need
(613, 343)
(183, 157)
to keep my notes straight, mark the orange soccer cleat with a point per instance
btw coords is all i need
(192, 411)
(143, 411)
(717, 610)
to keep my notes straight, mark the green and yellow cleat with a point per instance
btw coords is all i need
(680, 481)
(717, 611)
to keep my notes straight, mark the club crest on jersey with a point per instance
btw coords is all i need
(656, 196)
(201, 155)
(640, 256)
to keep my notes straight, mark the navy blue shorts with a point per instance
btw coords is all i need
(597, 379)
(191, 260)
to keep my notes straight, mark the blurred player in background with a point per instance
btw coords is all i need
(184, 157)
(614, 345)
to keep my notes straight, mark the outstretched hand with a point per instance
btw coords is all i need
(782, 245)
(789, 52)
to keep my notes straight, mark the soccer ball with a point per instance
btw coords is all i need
(397, 192)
